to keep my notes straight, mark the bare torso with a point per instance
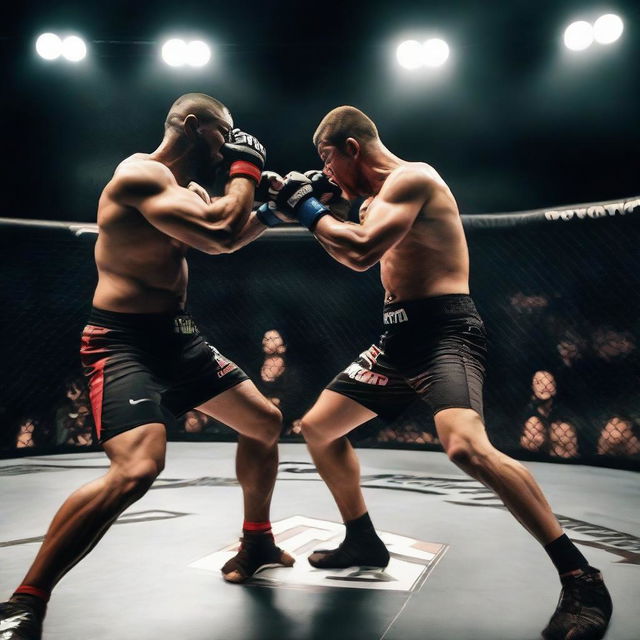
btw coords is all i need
(140, 269)
(432, 259)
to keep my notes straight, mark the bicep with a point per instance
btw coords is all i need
(181, 214)
(388, 223)
(173, 205)
(393, 212)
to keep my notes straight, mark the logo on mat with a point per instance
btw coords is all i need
(411, 560)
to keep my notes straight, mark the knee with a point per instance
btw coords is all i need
(464, 439)
(270, 426)
(313, 432)
(460, 453)
(469, 452)
(135, 478)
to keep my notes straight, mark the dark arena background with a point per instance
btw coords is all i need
(557, 289)
(532, 123)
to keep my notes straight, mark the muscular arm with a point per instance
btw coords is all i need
(180, 213)
(252, 229)
(388, 221)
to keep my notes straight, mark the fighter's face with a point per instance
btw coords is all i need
(214, 134)
(340, 167)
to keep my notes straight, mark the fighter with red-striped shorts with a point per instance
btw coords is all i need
(149, 368)
(144, 356)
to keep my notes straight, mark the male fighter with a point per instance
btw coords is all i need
(143, 354)
(434, 348)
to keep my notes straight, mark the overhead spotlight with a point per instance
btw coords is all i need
(608, 28)
(74, 48)
(174, 52)
(49, 46)
(410, 54)
(578, 36)
(435, 52)
(177, 53)
(198, 53)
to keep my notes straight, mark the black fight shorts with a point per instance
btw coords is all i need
(145, 368)
(434, 349)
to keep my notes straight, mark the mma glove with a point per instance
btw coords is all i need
(265, 195)
(323, 188)
(329, 193)
(245, 155)
(297, 200)
(267, 188)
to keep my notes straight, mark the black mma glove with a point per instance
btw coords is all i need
(245, 155)
(329, 193)
(323, 189)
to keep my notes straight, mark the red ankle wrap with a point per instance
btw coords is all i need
(25, 589)
(256, 527)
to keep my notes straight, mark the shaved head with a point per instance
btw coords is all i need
(204, 107)
(345, 122)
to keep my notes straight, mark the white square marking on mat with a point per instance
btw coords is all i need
(411, 560)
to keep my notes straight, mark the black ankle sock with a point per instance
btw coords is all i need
(259, 538)
(33, 602)
(565, 555)
(361, 527)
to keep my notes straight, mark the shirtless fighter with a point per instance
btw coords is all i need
(434, 348)
(143, 354)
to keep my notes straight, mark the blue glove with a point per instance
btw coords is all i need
(296, 200)
(266, 214)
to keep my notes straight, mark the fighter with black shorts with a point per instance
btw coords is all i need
(145, 358)
(434, 348)
(149, 368)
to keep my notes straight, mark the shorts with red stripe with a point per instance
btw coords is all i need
(149, 368)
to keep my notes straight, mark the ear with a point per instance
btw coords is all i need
(352, 147)
(191, 124)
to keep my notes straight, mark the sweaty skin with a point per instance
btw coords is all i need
(140, 268)
(147, 223)
(409, 223)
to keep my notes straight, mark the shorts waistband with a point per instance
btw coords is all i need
(179, 322)
(436, 306)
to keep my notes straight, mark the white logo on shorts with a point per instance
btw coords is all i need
(395, 317)
(139, 401)
(356, 372)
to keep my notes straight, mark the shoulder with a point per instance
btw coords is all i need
(138, 176)
(140, 167)
(410, 181)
